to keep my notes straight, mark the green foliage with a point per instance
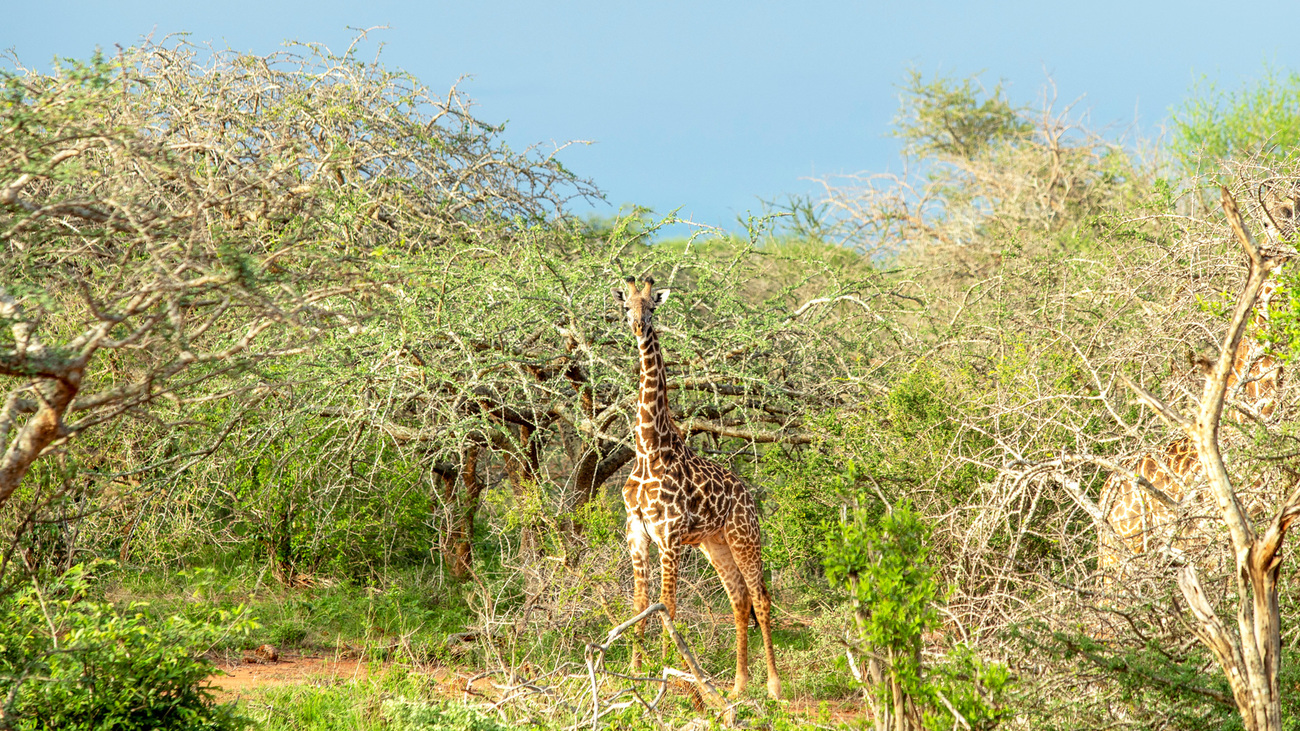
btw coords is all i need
(393, 700)
(1282, 331)
(948, 116)
(599, 523)
(901, 439)
(800, 496)
(415, 715)
(300, 514)
(397, 616)
(894, 444)
(918, 404)
(884, 564)
(1159, 679)
(69, 662)
(632, 718)
(976, 689)
(1260, 119)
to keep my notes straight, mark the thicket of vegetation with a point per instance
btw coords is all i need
(296, 352)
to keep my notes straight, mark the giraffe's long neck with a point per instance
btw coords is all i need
(655, 433)
(1253, 366)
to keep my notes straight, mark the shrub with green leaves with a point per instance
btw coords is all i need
(884, 564)
(417, 715)
(950, 116)
(69, 662)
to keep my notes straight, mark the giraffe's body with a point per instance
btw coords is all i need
(675, 498)
(1144, 524)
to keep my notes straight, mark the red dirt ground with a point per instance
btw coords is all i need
(237, 679)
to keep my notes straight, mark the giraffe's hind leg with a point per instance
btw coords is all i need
(746, 552)
(719, 554)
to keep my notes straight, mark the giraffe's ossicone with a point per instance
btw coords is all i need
(675, 498)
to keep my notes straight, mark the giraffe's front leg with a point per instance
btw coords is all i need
(638, 543)
(668, 559)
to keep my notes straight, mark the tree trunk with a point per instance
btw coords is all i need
(45, 426)
(519, 456)
(463, 539)
(457, 547)
(1250, 657)
(591, 474)
(280, 545)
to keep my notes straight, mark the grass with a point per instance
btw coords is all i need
(405, 617)
(394, 700)
(402, 700)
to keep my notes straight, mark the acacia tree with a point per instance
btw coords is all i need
(1168, 356)
(1052, 263)
(507, 361)
(146, 254)
(173, 221)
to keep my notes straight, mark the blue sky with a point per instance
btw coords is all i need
(707, 107)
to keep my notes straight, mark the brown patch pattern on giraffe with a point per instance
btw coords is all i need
(1141, 522)
(675, 498)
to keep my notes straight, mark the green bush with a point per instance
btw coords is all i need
(801, 493)
(305, 514)
(67, 662)
(1162, 680)
(394, 700)
(955, 117)
(884, 564)
(1258, 119)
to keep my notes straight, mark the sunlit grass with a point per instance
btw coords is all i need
(404, 617)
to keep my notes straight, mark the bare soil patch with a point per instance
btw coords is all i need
(234, 680)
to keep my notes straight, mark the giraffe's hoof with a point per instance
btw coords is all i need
(774, 688)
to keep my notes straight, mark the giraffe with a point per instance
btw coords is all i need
(675, 498)
(1140, 521)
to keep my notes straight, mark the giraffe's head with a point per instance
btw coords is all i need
(1279, 201)
(639, 304)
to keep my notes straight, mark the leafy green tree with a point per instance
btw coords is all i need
(883, 562)
(1259, 120)
(150, 250)
(958, 117)
(179, 227)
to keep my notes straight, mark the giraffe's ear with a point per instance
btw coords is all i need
(660, 296)
(619, 296)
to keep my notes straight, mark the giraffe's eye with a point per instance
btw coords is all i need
(1284, 212)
